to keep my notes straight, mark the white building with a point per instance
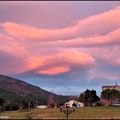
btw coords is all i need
(42, 106)
(71, 102)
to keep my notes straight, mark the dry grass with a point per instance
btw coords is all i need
(15, 114)
(82, 113)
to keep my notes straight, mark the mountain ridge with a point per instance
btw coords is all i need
(19, 88)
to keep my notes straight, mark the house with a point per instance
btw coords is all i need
(42, 106)
(116, 87)
(71, 102)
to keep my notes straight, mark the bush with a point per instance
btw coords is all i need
(9, 107)
(98, 104)
(51, 105)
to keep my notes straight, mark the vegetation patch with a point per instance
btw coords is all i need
(80, 113)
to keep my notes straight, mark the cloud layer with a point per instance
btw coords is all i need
(84, 49)
(86, 27)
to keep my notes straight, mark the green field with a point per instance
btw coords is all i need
(15, 114)
(84, 113)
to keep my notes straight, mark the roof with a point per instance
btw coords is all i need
(73, 101)
(111, 86)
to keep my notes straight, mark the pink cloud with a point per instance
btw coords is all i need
(11, 45)
(97, 24)
(111, 56)
(58, 62)
(98, 40)
(100, 23)
(23, 31)
(12, 55)
(69, 60)
(98, 30)
(107, 56)
(54, 71)
(93, 74)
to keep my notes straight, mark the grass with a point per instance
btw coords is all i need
(82, 113)
(16, 114)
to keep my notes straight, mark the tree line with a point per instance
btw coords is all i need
(88, 97)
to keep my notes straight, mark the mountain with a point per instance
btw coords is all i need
(16, 90)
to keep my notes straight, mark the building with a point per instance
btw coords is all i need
(41, 106)
(117, 87)
(71, 102)
(111, 101)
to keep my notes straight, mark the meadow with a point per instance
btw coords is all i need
(54, 113)
(81, 113)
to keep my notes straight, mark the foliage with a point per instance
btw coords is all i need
(2, 101)
(15, 101)
(88, 97)
(25, 95)
(9, 107)
(51, 105)
(110, 94)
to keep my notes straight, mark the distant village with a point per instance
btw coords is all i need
(110, 96)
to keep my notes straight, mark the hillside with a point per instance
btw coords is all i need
(13, 89)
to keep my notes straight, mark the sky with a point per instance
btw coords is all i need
(61, 46)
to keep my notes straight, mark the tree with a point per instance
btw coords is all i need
(11, 106)
(88, 97)
(51, 105)
(110, 94)
(2, 101)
